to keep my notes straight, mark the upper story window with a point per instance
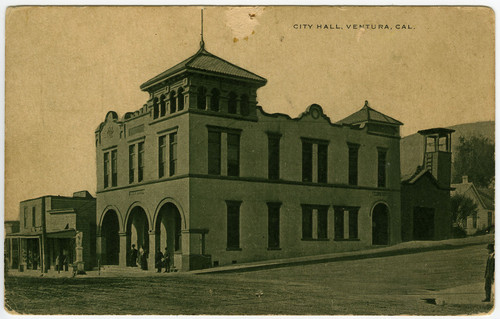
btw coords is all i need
(163, 107)
(215, 100)
(106, 169)
(314, 171)
(307, 161)
(162, 155)
(173, 153)
(322, 163)
(180, 99)
(231, 149)
(33, 216)
(136, 162)
(244, 105)
(140, 162)
(382, 167)
(169, 158)
(232, 103)
(131, 163)
(233, 154)
(156, 112)
(273, 156)
(114, 168)
(214, 150)
(173, 102)
(25, 217)
(353, 163)
(202, 98)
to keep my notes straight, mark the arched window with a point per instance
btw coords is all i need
(202, 98)
(244, 108)
(214, 100)
(231, 104)
(173, 102)
(163, 110)
(155, 108)
(180, 98)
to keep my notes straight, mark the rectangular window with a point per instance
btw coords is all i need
(323, 223)
(214, 148)
(474, 220)
(162, 156)
(114, 168)
(25, 217)
(273, 153)
(273, 225)
(33, 216)
(233, 154)
(490, 219)
(307, 161)
(381, 180)
(233, 225)
(353, 164)
(307, 222)
(173, 153)
(131, 163)
(353, 223)
(106, 169)
(339, 223)
(322, 163)
(140, 161)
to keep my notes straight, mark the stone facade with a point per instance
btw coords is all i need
(205, 172)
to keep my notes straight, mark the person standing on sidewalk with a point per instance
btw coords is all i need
(158, 259)
(489, 273)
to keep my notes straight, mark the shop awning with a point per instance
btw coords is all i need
(65, 233)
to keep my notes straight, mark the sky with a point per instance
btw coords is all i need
(66, 67)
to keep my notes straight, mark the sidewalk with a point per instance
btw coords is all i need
(399, 249)
(375, 252)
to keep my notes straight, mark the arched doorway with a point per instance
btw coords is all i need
(137, 232)
(110, 245)
(380, 225)
(168, 229)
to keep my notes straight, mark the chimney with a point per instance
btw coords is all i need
(465, 179)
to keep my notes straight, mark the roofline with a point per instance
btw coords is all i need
(436, 130)
(158, 78)
(56, 196)
(145, 86)
(375, 121)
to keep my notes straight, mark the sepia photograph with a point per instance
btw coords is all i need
(264, 160)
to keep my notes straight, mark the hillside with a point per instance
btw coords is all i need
(412, 146)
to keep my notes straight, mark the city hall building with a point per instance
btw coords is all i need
(206, 173)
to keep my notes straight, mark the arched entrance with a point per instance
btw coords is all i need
(380, 225)
(110, 245)
(137, 232)
(168, 229)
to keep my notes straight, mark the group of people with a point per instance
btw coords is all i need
(62, 262)
(162, 260)
(138, 258)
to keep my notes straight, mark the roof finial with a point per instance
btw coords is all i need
(366, 103)
(202, 43)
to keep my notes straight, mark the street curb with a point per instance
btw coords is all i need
(388, 253)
